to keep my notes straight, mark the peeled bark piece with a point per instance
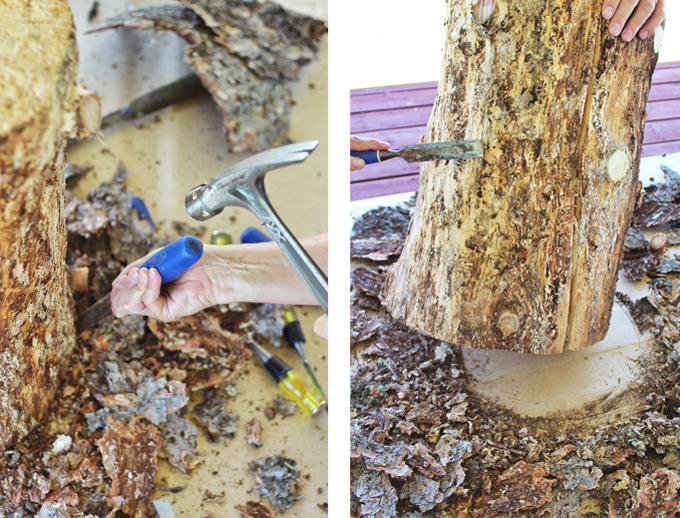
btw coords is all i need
(274, 42)
(39, 109)
(245, 63)
(536, 227)
(129, 454)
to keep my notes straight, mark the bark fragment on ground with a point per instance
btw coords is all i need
(412, 417)
(129, 456)
(277, 479)
(254, 509)
(212, 415)
(245, 57)
(254, 432)
(281, 406)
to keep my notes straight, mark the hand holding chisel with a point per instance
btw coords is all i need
(424, 152)
(169, 263)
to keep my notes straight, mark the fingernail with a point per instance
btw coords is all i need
(132, 278)
(627, 35)
(608, 12)
(644, 34)
(615, 29)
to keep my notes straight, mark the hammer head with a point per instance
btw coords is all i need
(234, 186)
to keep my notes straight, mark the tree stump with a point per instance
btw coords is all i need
(520, 250)
(41, 106)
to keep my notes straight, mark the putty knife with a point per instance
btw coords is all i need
(425, 152)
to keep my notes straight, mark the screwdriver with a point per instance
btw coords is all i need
(293, 333)
(290, 382)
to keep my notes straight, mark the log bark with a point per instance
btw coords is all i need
(41, 105)
(520, 250)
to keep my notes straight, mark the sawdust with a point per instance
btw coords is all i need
(423, 445)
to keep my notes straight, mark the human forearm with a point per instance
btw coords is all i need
(261, 272)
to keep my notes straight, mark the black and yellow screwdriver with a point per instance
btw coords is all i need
(290, 382)
(296, 339)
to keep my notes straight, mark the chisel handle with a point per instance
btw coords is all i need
(176, 258)
(369, 156)
(253, 235)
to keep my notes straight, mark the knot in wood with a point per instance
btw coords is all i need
(508, 323)
(483, 10)
(618, 165)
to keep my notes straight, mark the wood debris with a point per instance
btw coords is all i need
(213, 416)
(280, 406)
(245, 53)
(254, 432)
(277, 479)
(253, 509)
(129, 456)
(422, 446)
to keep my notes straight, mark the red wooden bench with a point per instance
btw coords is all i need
(399, 115)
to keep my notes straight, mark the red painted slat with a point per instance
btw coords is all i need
(664, 91)
(666, 75)
(363, 190)
(662, 148)
(660, 110)
(391, 168)
(391, 100)
(662, 131)
(403, 117)
(393, 88)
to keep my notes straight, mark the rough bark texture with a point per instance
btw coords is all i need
(40, 106)
(519, 250)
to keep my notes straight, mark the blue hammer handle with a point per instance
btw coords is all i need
(370, 156)
(176, 258)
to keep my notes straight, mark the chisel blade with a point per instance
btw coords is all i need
(442, 151)
(94, 314)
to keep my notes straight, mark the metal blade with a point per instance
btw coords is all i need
(442, 151)
(94, 314)
(163, 508)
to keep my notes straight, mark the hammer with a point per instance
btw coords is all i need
(242, 185)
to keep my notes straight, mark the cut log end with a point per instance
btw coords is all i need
(618, 165)
(658, 39)
(483, 10)
(508, 323)
(88, 113)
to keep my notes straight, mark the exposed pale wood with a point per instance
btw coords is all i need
(519, 250)
(41, 105)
